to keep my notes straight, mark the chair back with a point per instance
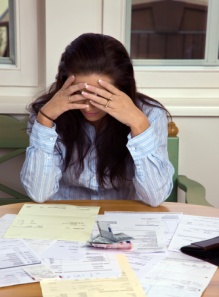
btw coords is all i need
(13, 132)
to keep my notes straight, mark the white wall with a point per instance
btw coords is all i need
(65, 20)
(194, 105)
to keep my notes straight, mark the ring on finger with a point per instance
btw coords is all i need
(107, 103)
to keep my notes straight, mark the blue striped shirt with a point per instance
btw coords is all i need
(149, 179)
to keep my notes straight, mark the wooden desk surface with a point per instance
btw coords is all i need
(33, 290)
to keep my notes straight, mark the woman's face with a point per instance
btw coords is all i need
(92, 114)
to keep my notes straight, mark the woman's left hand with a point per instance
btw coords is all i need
(117, 104)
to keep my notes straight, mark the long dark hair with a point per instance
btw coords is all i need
(99, 54)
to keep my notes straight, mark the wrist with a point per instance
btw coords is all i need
(44, 120)
(45, 115)
(139, 126)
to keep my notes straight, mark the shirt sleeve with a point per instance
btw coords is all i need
(41, 170)
(153, 178)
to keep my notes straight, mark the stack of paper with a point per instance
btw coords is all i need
(48, 243)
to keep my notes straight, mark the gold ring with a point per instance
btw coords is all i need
(107, 103)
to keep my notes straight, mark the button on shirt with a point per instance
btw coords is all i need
(149, 174)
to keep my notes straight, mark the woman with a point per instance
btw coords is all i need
(92, 135)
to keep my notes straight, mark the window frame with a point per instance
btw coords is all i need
(184, 90)
(23, 72)
(11, 58)
(211, 46)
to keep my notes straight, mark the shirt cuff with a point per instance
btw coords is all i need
(43, 137)
(142, 144)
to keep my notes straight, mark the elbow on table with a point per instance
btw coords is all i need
(39, 196)
(156, 202)
(36, 197)
(155, 199)
(162, 196)
(37, 200)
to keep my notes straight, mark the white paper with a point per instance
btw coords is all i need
(160, 273)
(169, 220)
(62, 249)
(5, 222)
(93, 265)
(16, 253)
(148, 234)
(124, 286)
(192, 229)
(143, 263)
(14, 276)
(40, 272)
(39, 245)
(178, 275)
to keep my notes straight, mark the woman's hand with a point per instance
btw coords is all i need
(117, 104)
(62, 102)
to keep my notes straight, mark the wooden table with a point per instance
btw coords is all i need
(33, 290)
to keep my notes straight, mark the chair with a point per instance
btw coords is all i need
(194, 191)
(14, 138)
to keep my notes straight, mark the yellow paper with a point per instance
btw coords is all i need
(59, 210)
(54, 222)
(124, 286)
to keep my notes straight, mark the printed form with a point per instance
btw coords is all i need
(178, 275)
(93, 265)
(126, 285)
(192, 229)
(53, 221)
(168, 220)
(160, 273)
(148, 235)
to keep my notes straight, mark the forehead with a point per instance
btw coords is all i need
(91, 79)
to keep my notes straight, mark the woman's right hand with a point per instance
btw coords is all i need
(61, 102)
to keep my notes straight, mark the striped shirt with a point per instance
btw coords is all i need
(149, 176)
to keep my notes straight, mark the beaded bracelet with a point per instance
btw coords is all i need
(40, 111)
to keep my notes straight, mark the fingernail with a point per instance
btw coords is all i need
(99, 80)
(84, 93)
